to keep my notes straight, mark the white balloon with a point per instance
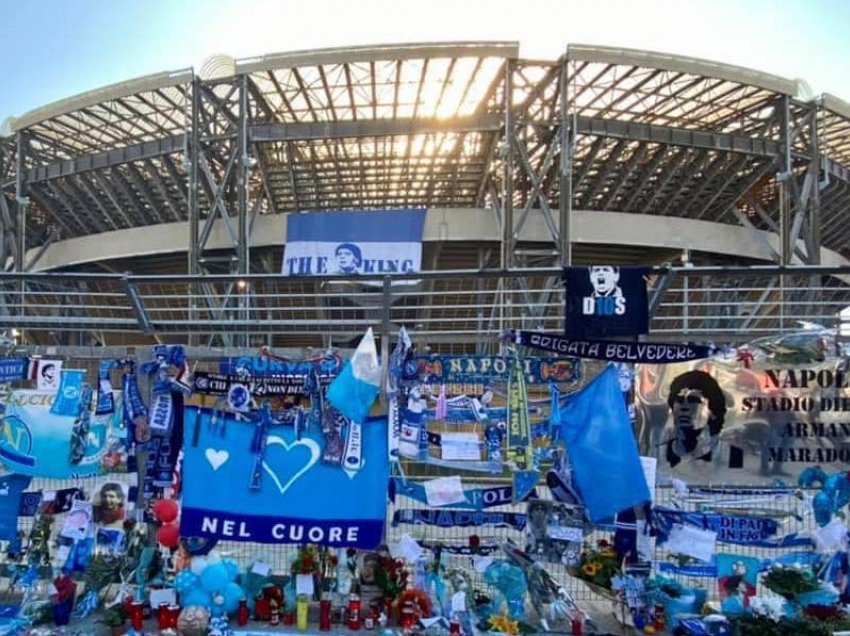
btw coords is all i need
(198, 564)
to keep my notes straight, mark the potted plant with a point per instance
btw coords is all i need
(115, 618)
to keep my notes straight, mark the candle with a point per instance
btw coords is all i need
(302, 609)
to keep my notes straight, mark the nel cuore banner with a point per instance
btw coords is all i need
(353, 243)
(278, 490)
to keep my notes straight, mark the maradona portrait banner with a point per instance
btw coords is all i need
(352, 243)
(271, 486)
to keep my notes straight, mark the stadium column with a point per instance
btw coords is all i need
(221, 165)
(565, 174)
(508, 242)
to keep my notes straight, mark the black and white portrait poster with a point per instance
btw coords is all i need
(604, 301)
(555, 532)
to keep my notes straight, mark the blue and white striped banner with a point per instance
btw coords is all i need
(355, 243)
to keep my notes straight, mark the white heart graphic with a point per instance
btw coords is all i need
(216, 458)
(312, 446)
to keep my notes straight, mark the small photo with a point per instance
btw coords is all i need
(736, 577)
(110, 505)
(111, 541)
(555, 532)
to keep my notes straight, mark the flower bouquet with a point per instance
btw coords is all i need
(790, 581)
(306, 569)
(598, 565)
(391, 577)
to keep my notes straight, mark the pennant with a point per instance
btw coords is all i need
(606, 300)
(474, 498)
(602, 450)
(67, 401)
(459, 518)
(354, 391)
(519, 453)
(395, 372)
(755, 531)
(641, 352)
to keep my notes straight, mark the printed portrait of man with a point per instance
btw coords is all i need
(110, 506)
(605, 279)
(349, 258)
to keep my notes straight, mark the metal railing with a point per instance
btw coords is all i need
(466, 309)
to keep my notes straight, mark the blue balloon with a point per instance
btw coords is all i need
(214, 577)
(232, 569)
(822, 506)
(841, 490)
(811, 476)
(185, 581)
(197, 596)
(218, 606)
(233, 593)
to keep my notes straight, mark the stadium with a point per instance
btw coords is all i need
(155, 209)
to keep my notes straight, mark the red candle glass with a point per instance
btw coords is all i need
(289, 618)
(173, 614)
(162, 616)
(325, 615)
(137, 615)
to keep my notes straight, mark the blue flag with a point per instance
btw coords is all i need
(297, 498)
(67, 401)
(602, 449)
(11, 489)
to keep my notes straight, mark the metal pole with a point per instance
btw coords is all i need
(565, 181)
(386, 327)
(243, 166)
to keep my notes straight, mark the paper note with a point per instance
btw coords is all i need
(158, 597)
(460, 446)
(304, 584)
(406, 548)
(444, 491)
(694, 542)
(260, 568)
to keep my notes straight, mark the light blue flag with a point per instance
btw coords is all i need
(67, 400)
(36, 442)
(354, 390)
(602, 449)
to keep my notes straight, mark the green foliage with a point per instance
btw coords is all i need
(114, 616)
(752, 625)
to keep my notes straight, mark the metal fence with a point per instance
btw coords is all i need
(448, 311)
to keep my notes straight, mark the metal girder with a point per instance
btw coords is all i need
(624, 174)
(107, 159)
(601, 178)
(675, 136)
(162, 188)
(119, 181)
(141, 184)
(746, 184)
(707, 179)
(304, 131)
(671, 170)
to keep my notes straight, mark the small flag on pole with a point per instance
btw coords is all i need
(354, 390)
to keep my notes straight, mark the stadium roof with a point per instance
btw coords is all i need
(423, 125)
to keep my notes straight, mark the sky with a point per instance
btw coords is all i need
(53, 49)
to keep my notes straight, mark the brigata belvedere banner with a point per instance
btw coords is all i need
(612, 351)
